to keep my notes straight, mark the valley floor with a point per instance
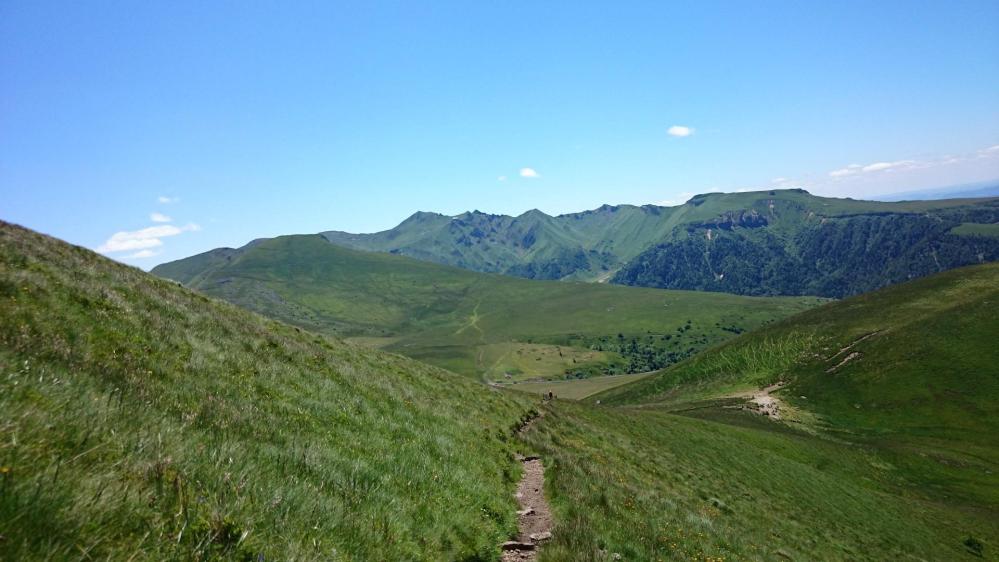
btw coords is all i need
(577, 389)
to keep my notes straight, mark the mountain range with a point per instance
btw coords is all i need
(780, 242)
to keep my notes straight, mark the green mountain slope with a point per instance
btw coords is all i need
(885, 448)
(796, 244)
(143, 421)
(911, 368)
(645, 484)
(781, 242)
(478, 324)
(584, 246)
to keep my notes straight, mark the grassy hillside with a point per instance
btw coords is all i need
(886, 448)
(478, 324)
(649, 485)
(143, 421)
(907, 373)
(905, 344)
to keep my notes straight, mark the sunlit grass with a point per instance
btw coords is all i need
(140, 421)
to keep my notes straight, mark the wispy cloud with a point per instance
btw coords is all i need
(847, 171)
(529, 173)
(159, 217)
(680, 131)
(501, 178)
(676, 199)
(882, 166)
(144, 239)
(141, 254)
(164, 200)
(854, 169)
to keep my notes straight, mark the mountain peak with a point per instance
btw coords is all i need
(533, 213)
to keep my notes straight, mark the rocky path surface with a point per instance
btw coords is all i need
(534, 520)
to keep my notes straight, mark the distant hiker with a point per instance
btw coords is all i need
(550, 395)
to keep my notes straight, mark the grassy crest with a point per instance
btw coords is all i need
(142, 421)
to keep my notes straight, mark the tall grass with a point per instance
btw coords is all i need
(141, 421)
(646, 485)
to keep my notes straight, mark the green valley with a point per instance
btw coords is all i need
(493, 326)
(145, 421)
(499, 281)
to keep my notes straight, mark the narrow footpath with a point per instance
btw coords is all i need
(534, 520)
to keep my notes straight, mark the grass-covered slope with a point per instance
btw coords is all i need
(142, 421)
(887, 447)
(648, 485)
(474, 323)
(909, 372)
(908, 353)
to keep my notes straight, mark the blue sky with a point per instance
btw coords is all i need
(246, 119)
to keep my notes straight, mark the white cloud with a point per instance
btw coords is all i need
(677, 199)
(680, 131)
(847, 171)
(164, 200)
(143, 239)
(854, 169)
(501, 178)
(989, 152)
(529, 173)
(141, 254)
(159, 217)
(881, 166)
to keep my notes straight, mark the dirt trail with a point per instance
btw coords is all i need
(851, 346)
(761, 402)
(534, 520)
(768, 405)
